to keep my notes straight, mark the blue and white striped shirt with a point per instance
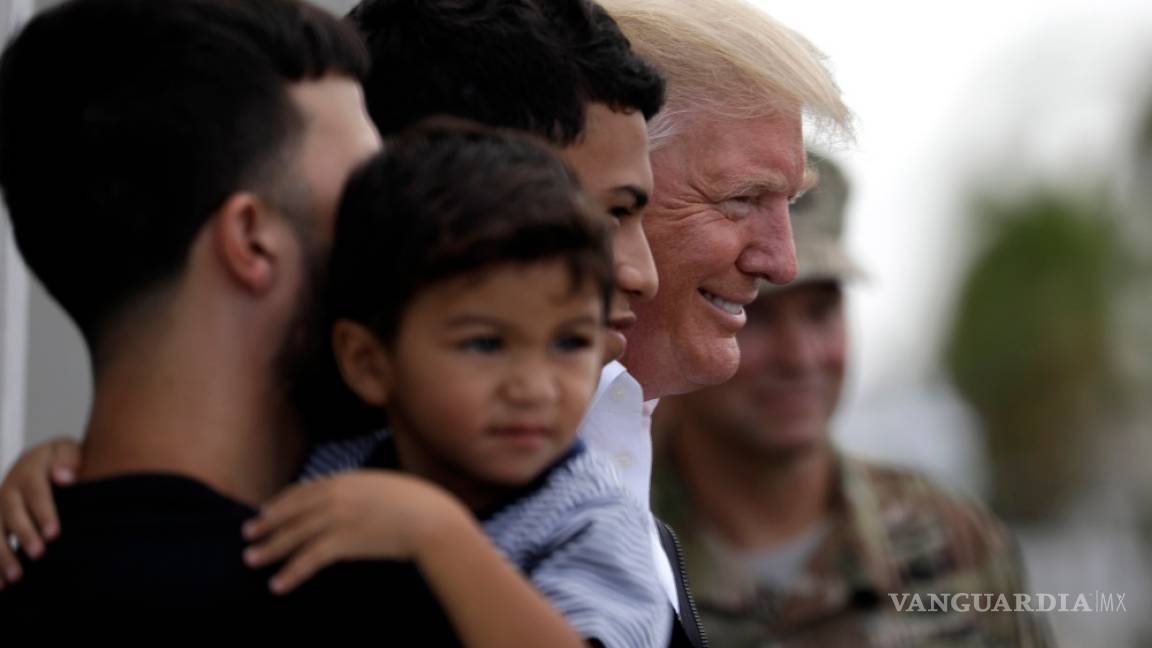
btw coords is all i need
(579, 537)
(583, 542)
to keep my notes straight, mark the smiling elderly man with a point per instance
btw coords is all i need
(728, 158)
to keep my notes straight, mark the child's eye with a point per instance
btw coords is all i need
(482, 344)
(570, 343)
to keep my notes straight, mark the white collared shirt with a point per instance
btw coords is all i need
(618, 425)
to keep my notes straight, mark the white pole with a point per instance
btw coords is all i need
(13, 301)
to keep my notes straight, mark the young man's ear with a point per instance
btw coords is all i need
(250, 238)
(363, 362)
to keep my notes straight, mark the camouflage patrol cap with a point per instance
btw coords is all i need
(817, 226)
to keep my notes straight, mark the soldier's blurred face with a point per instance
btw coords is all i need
(790, 375)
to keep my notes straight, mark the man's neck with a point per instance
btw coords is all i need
(756, 499)
(206, 414)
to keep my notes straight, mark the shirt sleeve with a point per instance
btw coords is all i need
(599, 572)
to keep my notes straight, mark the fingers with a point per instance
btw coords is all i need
(27, 504)
(65, 462)
(293, 502)
(37, 499)
(10, 570)
(286, 540)
(314, 557)
(18, 521)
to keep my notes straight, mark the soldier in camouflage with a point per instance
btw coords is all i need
(788, 540)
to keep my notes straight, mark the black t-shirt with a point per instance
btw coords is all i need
(164, 541)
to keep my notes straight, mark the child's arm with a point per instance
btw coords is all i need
(376, 514)
(27, 509)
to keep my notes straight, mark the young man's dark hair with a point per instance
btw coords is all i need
(609, 71)
(116, 148)
(531, 65)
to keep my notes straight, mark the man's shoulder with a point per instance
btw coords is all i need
(909, 513)
(900, 491)
(162, 541)
(159, 539)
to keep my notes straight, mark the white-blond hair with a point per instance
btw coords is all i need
(728, 58)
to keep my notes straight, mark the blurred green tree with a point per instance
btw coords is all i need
(1029, 348)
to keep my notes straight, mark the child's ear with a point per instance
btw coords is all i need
(363, 362)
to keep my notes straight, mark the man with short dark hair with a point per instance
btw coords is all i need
(171, 170)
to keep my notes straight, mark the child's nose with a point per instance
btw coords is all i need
(530, 382)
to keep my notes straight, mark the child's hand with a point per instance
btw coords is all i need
(27, 509)
(365, 514)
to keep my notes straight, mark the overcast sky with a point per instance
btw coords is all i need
(955, 95)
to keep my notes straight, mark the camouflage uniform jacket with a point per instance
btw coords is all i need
(892, 532)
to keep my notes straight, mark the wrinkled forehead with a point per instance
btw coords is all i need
(765, 153)
(763, 145)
